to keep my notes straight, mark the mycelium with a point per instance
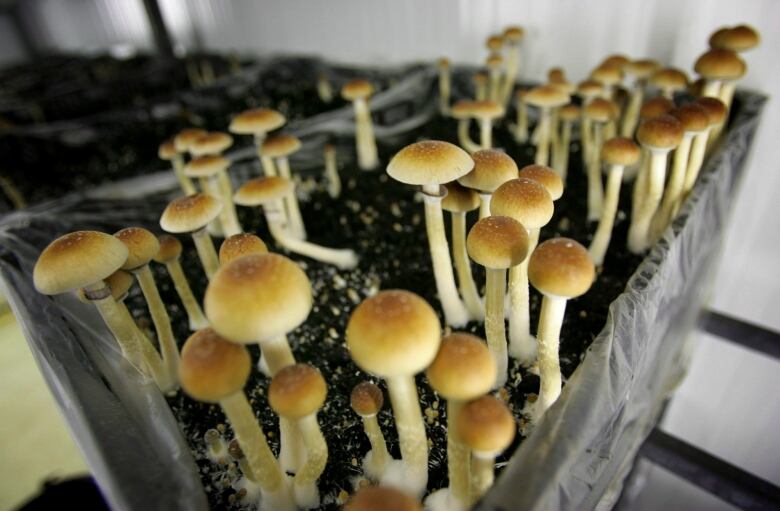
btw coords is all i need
(445, 85)
(462, 370)
(380, 498)
(366, 400)
(332, 171)
(260, 298)
(492, 168)
(142, 246)
(269, 192)
(521, 127)
(669, 81)
(216, 448)
(463, 111)
(569, 114)
(487, 428)
(214, 144)
(207, 169)
(484, 112)
(495, 65)
(214, 370)
(169, 255)
(717, 66)
(658, 136)
(528, 202)
(498, 243)
(358, 92)
(618, 153)
(480, 86)
(560, 269)
(168, 152)
(430, 164)
(598, 112)
(545, 98)
(192, 214)
(640, 71)
(297, 392)
(258, 122)
(394, 335)
(512, 38)
(240, 245)
(716, 114)
(280, 147)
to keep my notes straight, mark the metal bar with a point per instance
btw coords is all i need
(162, 38)
(718, 477)
(740, 332)
(26, 38)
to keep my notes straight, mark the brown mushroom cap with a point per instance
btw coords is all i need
(366, 399)
(297, 391)
(463, 368)
(607, 74)
(170, 249)
(393, 333)
(212, 368)
(258, 297)
(498, 242)
(191, 213)
(546, 96)
(641, 68)
(654, 107)
(620, 151)
(76, 260)
(486, 425)
(601, 110)
(379, 498)
(561, 267)
(429, 162)
(205, 166)
(459, 199)
(570, 112)
(262, 190)
(718, 64)
(186, 137)
(240, 245)
(525, 200)
(669, 78)
(211, 143)
(693, 117)
(141, 245)
(443, 63)
(494, 61)
(546, 177)
(662, 132)
(740, 38)
(487, 109)
(494, 42)
(715, 108)
(119, 283)
(617, 60)
(167, 150)
(257, 120)
(590, 88)
(492, 168)
(514, 34)
(357, 89)
(480, 78)
(280, 145)
(462, 109)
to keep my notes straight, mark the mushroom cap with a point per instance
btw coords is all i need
(546, 177)
(240, 245)
(486, 425)
(167, 150)
(494, 61)
(654, 107)
(463, 368)
(620, 151)
(381, 498)
(617, 60)
(497, 242)
(263, 190)
(570, 112)
(186, 137)
(717, 64)
(492, 168)
(429, 162)
(525, 200)
(546, 96)
(258, 297)
(487, 109)
(514, 34)
(213, 368)
(443, 63)
(211, 143)
(693, 117)
(296, 391)
(564, 86)
(393, 333)
(459, 199)
(257, 120)
(590, 88)
(556, 74)
(462, 109)
(642, 68)
(76, 260)
(141, 245)
(170, 249)
(366, 399)
(280, 145)
(740, 38)
(715, 108)
(607, 75)
(662, 132)
(561, 267)
(494, 42)
(205, 166)
(600, 110)
(190, 213)
(669, 78)
(480, 78)
(357, 89)
(119, 283)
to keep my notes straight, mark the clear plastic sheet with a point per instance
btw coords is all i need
(579, 454)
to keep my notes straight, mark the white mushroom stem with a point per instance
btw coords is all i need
(324, 90)
(187, 186)
(466, 285)
(512, 69)
(206, 252)
(711, 89)
(521, 129)
(100, 295)
(561, 158)
(458, 455)
(411, 431)
(698, 150)
(638, 233)
(495, 84)
(209, 185)
(266, 470)
(269, 169)
(277, 353)
(598, 247)
(445, 88)
(495, 330)
(586, 134)
(595, 184)
(522, 345)
(543, 147)
(291, 207)
(554, 131)
(485, 132)
(480, 91)
(374, 467)
(640, 183)
(455, 313)
(197, 320)
(364, 136)
(674, 188)
(482, 474)
(484, 204)
(548, 333)
(230, 224)
(631, 117)
(464, 138)
(332, 174)
(307, 495)
(726, 95)
(150, 359)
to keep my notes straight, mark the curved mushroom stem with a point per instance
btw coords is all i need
(364, 136)
(486, 133)
(455, 313)
(458, 455)
(187, 186)
(495, 330)
(206, 252)
(543, 147)
(548, 333)
(468, 289)
(197, 320)
(484, 204)
(560, 158)
(266, 470)
(332, 174)
(638, 232)
(521, 129)
(464, 138)
(307, 495)
(674, 188)
(341, 258)
(482, 475)
(411, 431)
(375, 465)
(631, 118)
(598, 247)
(595, 185)
(698, 150)
(230, 224)
(292, 210)
(522, 345)
(445, 87)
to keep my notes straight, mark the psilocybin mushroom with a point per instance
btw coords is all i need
(716, 114)
(381, 498)
(332, 171)
(545, 98)
(358, 92)
(445, 85)
(560, 269)
(484, 112)
(168, 152)
(169, 254)
(207, 169)
(430, 164)
(258, 122)
(394, 335)
(214, 144)
(569, 115)
(367, 400)
(640, 70)
(497, 243)
(191, 215)
(718, 66)
(463, 111)
(492, 168)
(599, 112)
(240, 245)
(214, 370)
(280, 147)
(297, 392)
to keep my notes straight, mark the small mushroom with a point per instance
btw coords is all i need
(367, 400)
(216, 448)
(240, 245)
(640, 70)
(168, 152)
(258, 122)
(569, 114)
(717, 67)
(463, 111)
(716, 113)
(169, 255)
(545, 98)
(512, 37)
(380, 498)
(492, 168)
(214, 144)
(599, 112)
(445, 85)
(495, 65)
(358, 92)
(192, 214)
(332, 171)
(480, 86)
(207, 169)
(183, 141)
(324, 89)
(484, 112)
(280, 147)
(670, 81)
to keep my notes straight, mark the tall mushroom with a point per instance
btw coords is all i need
(587, 90)
(208, 170)
(192, 214)
(599, 112)
(717, 66)
(521, 128)
(651, 108)
(512, 38)
(168, 152)
(492, 168)
(480, 86)
(214, 144)
(569, 114)
(240, 245)
(545, 98)
(463, 111)
(366, 400)
(169, 255)
(445, 85)
(484, 112)
(669, 81)
(183, 141)
(640, 70)
(495, 65)
(280, 147)
(258, 122)
(358, 92)
(716, 115)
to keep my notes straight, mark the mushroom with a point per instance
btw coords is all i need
(610, 77)
(183, 141)
(651, 108)
(569, 114)
(557, 79)
(168, 152)
(494, 64)
(279, 148)
(445, 85)
(463, 111)
(462, 370)
(367, 400)
(529, 203)
(658, 136)
(716, 114)
(560, 269)
(208, 170)
(545, 97)
(269, 192)
(216, 448)
(240, 245)
(192, 214)
(296, 393)
(394, 335)
(358, 92)
(494, 43)
(618, 153)
(512, 38)
(739, 38)
(379, 498)
(258, 122)
(546, 177)
(640, 70)
(430, 164)
(214, 144)
(169, 254)
(488, 428)
(587, 90)
(235, 451)
(459, 201)
(324, 90)
(484, 112)
(214, 370)
(521, 128)
(717, 66)
(332, 171)
(497, 243)
(492, 168)
(480, 86)
(599, 112)
(669, 80)
(142, 246)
